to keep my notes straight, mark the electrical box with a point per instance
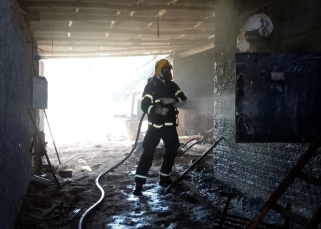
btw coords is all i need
(40, 93)
(278, 97)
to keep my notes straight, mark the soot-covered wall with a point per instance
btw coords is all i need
(257, 169)
(16, 71)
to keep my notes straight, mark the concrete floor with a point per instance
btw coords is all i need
(193, 203)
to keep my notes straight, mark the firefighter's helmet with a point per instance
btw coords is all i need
(160, 64)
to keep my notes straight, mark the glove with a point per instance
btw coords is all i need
(167, 101)
(161, 111)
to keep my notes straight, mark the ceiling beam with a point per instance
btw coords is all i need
(118, 31)
(113, 51)
(109, 46)
(47, 50)
(32, 15)
(197, 49)
(118, 41)
(184, 20)
(102, 56)
(102, 53)
(98, 5)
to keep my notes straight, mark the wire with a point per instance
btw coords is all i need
(52, 136)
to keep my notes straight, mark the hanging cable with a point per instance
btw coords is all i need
(52, 136)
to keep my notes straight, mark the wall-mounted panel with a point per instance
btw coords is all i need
(278, 97)
(40, 93)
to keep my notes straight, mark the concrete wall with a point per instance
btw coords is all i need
(194, 75)
(16, 72)
(256, 169)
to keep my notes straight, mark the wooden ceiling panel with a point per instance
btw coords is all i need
(118, 7)
(122, 31)
(92, 28)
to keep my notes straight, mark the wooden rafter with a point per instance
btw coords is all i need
(118, 18)
(106, 52)
(111, 46)
(97, 5)
(118, 31)
(32, 16)
(91, 28)
(197, 49)
(103, 53)
(118, 41)
(113, 55)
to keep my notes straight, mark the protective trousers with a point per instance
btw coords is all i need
(151, 140)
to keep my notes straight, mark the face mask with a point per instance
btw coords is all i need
(166, 74)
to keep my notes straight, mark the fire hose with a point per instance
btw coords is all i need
(82, 218)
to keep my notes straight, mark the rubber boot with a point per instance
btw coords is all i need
(165, 182)
(138, 189)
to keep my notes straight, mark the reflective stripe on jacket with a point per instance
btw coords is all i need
(154, 91)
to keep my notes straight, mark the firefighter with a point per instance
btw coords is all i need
(161, 97)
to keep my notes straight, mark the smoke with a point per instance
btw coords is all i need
(203, 106)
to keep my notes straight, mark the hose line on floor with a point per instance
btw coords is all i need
(81, 221)
(188, 142)
(182, 153)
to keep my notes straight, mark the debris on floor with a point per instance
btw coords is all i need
(193, 203)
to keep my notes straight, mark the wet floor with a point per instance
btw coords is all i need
(194, 203)
(179, 209)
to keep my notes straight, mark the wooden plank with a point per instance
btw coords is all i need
(32, 16)
(286, 219)
(104, 52)
(106, 46)
(43, 146)
(193, 165)
(311, 179)
(285, 183)
(315, 220)
(118, 41)
(99, 5)
(191, 187)
(131, 2)
(95, 39)
(185, 20)
(227, 204)
(98, 49)
(100, 56)
(291, 215)
(119, 31)
(239, 218)
(197, 49)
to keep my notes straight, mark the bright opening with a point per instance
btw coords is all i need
(90, 100)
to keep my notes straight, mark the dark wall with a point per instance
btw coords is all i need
(16, 73)
(194, 75)
(256, 169)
